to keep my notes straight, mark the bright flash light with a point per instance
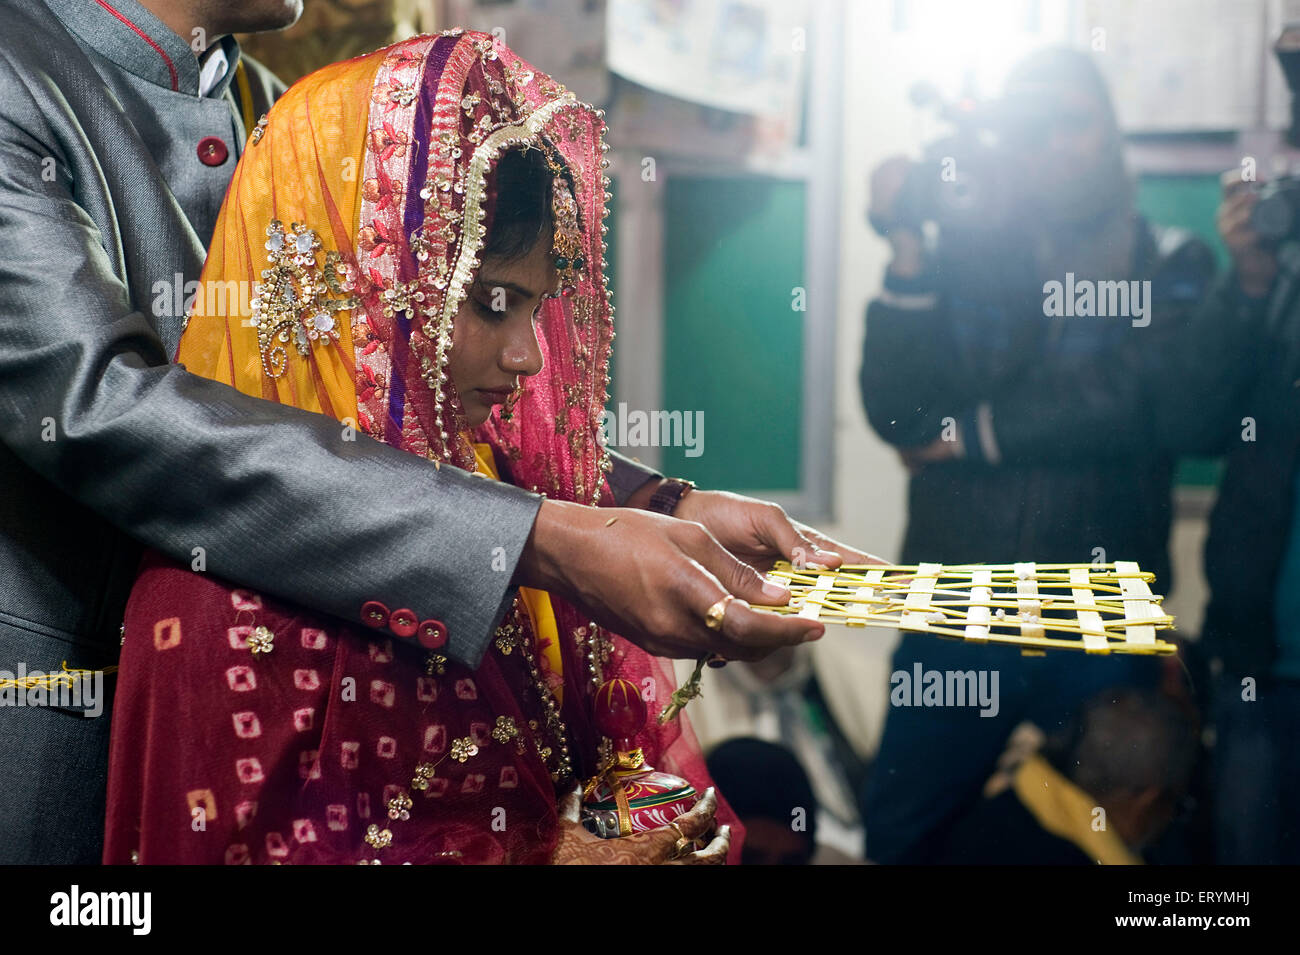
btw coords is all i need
(966, 47)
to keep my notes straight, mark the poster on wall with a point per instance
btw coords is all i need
(1168, 73)
(744, 56)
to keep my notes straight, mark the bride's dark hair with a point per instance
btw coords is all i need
(522, 214)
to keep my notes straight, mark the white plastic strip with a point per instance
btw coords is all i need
(812, 605)
(1090, 622)
(1028, 600)
(979, 618)
(1138, 604)
(916, 608)
(860, 607)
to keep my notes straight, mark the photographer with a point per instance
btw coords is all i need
(1241, 371)
(1025, 425)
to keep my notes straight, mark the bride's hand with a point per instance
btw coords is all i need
(761, 533)
(577, 846)
(653, 579)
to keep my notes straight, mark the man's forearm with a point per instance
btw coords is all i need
(271, 497)
(276, 499)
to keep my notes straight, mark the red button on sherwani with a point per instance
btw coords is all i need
(403, 622)
(212, 151)
(374, 614)
(432, 634)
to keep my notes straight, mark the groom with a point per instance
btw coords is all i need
(117, 143)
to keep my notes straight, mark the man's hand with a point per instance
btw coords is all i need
(1256, 266)
(577, 846)
(653, 578)
(887, 181)
(915, 459)
(760, 533)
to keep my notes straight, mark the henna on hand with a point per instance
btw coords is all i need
(577, 846)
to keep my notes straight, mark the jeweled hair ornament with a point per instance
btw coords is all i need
(567, 241)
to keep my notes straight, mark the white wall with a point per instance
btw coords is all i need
(870, 483)
(869, 480)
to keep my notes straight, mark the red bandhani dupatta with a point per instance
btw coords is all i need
(248, 730)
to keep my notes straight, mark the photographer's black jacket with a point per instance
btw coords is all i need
(1062, 451)
(1240, 396)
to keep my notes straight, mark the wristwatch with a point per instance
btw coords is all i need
(669, 495)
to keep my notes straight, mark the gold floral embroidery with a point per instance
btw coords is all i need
(463, 748)
(399, 807)
(423, 773)
(261, 641)
(402, 94)
(507, 637)
(402, 297)
(297, 299)
(505, 729)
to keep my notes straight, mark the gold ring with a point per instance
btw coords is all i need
(714, 616)
(683, 845)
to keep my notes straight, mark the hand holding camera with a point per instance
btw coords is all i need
(887, 182)
(1239, 223)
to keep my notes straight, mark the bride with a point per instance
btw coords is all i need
(422, 226)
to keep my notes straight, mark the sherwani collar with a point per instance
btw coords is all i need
(126, 33)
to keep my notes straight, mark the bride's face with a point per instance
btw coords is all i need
(494, 338)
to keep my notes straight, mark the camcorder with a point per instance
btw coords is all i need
(961, 182)
(966, 185)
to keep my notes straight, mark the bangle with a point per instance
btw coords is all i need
(669, 495)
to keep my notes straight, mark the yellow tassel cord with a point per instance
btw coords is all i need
(51, 681)
(245, 98)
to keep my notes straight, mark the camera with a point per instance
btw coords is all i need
(961, 183)
(1276, 214)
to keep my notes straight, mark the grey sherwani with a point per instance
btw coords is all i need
(110, 184)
